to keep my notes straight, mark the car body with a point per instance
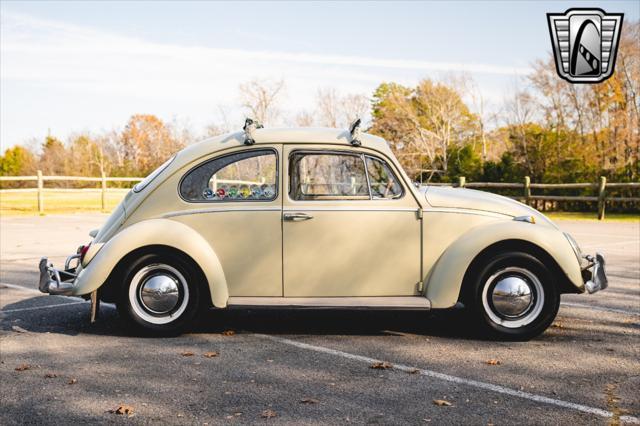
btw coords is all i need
(318, 218)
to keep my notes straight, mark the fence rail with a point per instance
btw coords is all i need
(526, 186)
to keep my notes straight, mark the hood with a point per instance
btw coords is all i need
(443, 196)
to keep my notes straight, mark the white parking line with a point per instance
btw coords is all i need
(35, 308)
(600, 308)
(19, 287)
(453, 379)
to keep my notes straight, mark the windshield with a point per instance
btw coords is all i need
(141, 185)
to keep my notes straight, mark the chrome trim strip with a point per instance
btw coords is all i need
(466, 211)
(390, 302)
(219, 210)
(355, 209)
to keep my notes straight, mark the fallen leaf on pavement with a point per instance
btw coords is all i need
(267, 414)
(228, 333)
(72, 381)
(50, 376)
(414, 371)
(493, 362)
(187, 353)
(442, 403)
(309, 401)
(23, 367)
(381, 365)
(123, 409)
(19, 329)
(211, 354)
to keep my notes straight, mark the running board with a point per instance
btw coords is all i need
(384, 302)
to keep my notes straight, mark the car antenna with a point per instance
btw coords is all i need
(250, 126)
(355, 131)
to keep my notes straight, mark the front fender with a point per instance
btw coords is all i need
(155, 232)
(444, 282)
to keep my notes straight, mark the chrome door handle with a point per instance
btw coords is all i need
(297, 217)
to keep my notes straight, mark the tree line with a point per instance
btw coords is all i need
(548, 129)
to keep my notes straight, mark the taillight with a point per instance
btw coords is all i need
(82, 250)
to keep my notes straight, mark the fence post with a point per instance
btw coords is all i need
(601, 197)
(40, 193)
(103, 194)
(462, 181)
(527, 189)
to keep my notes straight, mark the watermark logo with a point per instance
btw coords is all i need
(585, 43)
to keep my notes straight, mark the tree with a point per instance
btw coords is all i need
(17, 161)
(338, 111)
(261, 98)
(54, 157)
(423, 124)
(145, 143)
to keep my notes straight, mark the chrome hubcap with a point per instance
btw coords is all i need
(160, 293)
(513, 297)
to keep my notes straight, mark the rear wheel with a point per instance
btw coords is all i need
(513, 296)
(159, 294)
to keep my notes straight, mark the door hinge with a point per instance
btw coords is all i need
(420, 287)
(419, 213)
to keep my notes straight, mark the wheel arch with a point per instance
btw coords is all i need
(516, 245)
(108, 291)
(163, 234)
(445, 278)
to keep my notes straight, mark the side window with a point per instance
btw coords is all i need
(384, 183)
(243, 176)
(328, 176)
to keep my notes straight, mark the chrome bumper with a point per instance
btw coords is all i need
(56, 281)
(594, 274)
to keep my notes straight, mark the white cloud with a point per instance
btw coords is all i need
(48, 64)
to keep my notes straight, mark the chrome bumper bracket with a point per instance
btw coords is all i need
(55, 281)
(598, 280)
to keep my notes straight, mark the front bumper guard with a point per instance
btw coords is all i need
(594, 274)
(56, 281)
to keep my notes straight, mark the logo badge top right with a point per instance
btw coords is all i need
(585, 43)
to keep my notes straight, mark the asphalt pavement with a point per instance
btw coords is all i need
(309, 367)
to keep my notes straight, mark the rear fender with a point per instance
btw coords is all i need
(164, 232)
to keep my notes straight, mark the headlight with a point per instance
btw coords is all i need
(574, 246)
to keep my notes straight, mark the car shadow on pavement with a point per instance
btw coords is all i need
(37, 315)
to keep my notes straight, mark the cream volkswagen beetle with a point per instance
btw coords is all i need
(320, 218)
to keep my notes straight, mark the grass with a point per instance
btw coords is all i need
(26, 203)
(609, 217)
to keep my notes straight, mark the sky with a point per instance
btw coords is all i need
(69, 67)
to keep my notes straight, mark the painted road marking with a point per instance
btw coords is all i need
(454, 379)
(19, 287)
(34, 308)
(600, 308)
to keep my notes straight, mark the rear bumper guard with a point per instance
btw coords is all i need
(57, 281)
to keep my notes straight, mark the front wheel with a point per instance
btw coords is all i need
(159, 294)
(513, 296)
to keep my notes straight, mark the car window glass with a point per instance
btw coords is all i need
(384, 183)
(244, 176)
(328, 176)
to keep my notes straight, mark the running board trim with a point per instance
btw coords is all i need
(382, 302)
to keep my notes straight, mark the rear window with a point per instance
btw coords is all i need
(243, 176)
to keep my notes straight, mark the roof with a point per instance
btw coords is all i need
(301, 135)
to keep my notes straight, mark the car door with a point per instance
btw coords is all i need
(350, 225)
(234, 201)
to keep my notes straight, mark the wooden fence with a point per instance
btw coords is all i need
(600, 188)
